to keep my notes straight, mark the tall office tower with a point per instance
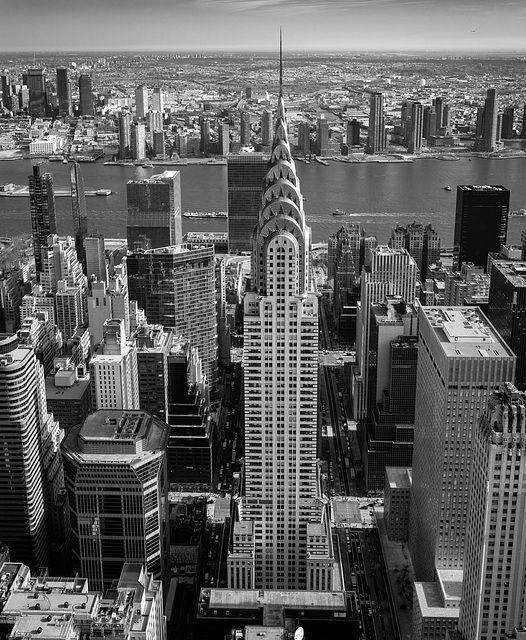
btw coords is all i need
(176, 288)
(481, 223)
(479, 126)
(113, 369)
(224, 139)
(346, 252)
(507, 123)
(124, 136)
(376, 137)
(245, 174)
(85, 95)
(78, 208)
(39, 331)
(42, 202)
(36, 83)
(507, 310)
(493, 586)
(155, 121)
(461, 361)
(154, 211)
(204, 130)
(115, 471)
(68, 393)
(322, 137)
(59, 262)
(304, 138)
(157, 100)
(523, 129)
(267, 126)
(30, 476)
(63, 92)
(158, 144)
(422, 243)
(5, 85)
(141, 101)
(95, 257)
(153, 346)
(430, 122)
(417, 126)
(353, 133)
(438, 103)
(138, 140)
(386, 271)
(70, 311)
(189, 451)
(38, 301)
(244, 135)
(393, 356)
(10, 300)
(491, 109)
(108, 301)
(446, 119)
(282, 491)
(405, 121)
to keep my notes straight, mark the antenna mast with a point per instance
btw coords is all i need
(280, 64)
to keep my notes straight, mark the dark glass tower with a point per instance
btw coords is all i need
(154, 211)
(36, 83)
(376, 138)
(63, 92)
(78, 207)
(42, 202)
(85, 95)
(245, 172)
(507, 310)
(481, 223)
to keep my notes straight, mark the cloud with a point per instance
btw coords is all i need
(300, 6)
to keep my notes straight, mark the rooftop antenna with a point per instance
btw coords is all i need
(280, 64)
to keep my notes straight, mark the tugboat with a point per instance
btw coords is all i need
(447, 188)
(339, 212)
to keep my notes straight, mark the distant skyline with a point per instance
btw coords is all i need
(252, 25)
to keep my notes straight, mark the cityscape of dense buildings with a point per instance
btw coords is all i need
(241, 439)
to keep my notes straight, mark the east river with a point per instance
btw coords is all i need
(377, 195)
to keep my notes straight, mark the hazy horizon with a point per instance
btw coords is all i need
(238, 26)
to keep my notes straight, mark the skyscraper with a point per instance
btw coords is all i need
(245, 173)
(376, 137)
(63, 92)
(85, 95)
(204, 128)
(353, 133)
(176, 288)
(115, 464)
(461, 361)
(30, 475)
(224, 139)
(157, 100)
(493, 586)
(386, 271)
(141, 101)
(417, 124)
(245, 129)
(124, 136)
(78, 208)
(422, 243)
(113, 369)
(267, 125)
(42, 203)
(154, 211)
(304, 137)
(95, 257)
(507, 310)
(158, 143)
(322, 137)
(481, 223)
(507, 123)
(282, 493)
(138, 140)
(36, 83)
(491, 110)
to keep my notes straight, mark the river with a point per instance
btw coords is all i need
(377, 195)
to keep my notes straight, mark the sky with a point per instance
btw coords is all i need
(243, 25)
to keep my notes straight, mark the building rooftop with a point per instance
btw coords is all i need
(430, 601)
(252, 598)
(399, 477)
(117, 433)
(465, 332)
(73, 391)
(482, 187)
(264, 633)
(513, 270)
